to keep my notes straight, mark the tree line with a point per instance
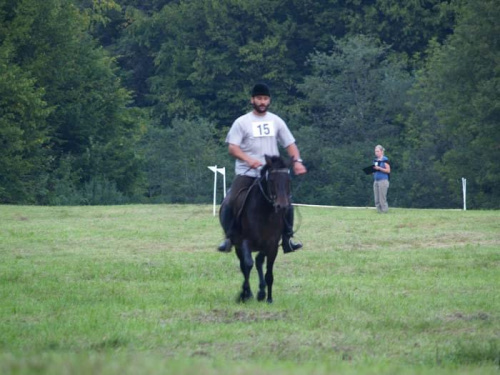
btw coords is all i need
(127, 101)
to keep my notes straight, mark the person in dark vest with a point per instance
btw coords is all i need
(253, 135)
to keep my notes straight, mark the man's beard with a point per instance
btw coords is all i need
(260, 108)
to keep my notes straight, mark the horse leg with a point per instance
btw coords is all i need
(270, 277)
(259, 261)
(246, 264)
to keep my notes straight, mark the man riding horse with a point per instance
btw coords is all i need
(251, 137)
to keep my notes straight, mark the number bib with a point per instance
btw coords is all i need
(263, 129)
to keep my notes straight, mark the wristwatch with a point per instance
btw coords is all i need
(299, 161)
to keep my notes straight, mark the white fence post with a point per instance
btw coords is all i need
(222, 171)
(464, 190)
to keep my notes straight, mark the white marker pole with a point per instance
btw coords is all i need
(214, 169)
(464, 190)
(222, 171)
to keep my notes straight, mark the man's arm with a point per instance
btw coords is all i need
(298, 167)
(236, 152)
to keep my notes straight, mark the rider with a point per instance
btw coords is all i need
(252, 136)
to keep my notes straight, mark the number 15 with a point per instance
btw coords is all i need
(264, 129)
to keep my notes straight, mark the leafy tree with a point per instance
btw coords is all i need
(338, 69)
(458, 96)
(135, 55)
(98, 11)
(356, 91)
(212, 52)
(355, 99)
(407, 26)
(177, 158)
(199, 58)
(23, 134)
(90, 119)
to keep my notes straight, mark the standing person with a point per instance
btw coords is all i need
(252, 136)
(382, 170)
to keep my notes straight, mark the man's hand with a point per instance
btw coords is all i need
(299, 168)
(254, 163)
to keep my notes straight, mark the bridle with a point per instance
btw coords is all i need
(269, 196)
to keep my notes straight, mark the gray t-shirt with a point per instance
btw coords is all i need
(258, 136)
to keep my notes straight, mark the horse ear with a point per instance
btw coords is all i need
(268, 160)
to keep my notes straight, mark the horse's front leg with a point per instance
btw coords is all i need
(259, 261)
(269, 276)
(246, 264)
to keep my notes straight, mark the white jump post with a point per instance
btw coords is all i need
(464, 190)
(222, 171)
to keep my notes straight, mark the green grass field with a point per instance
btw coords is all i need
(141, 289)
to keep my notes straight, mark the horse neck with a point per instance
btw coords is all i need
(262, 211)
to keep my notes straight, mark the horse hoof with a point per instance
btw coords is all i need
(261, 296)
(244, 297)
(269, 300)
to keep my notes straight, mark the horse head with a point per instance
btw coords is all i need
(276, 174)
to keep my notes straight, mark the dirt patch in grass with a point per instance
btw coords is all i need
(224, 316)
(457, 316)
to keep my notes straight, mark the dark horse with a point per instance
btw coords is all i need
(260, 213)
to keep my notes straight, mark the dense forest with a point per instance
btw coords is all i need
(128, 101)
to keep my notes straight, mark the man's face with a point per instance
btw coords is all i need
(260, 103)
